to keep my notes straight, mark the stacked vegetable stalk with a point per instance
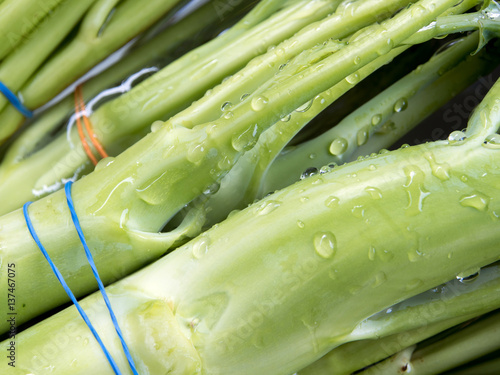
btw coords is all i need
(307, 271)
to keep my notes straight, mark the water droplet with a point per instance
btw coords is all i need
(211, 129)
(312, 156)
(332, 202)
(376, 119)
(155, 126)
(386, 255)
(286, 118)
(309, 172)
(478, 201)
(266, 207)
(226, 106)
(380, 278)
(306, 106)
(441, 171)
(225, 163)
(259, 103)
(456, 136)
(362, 136)
(414, 284)
(414, 255)
(246, 140)
(468, 275)
(371, 253)
(492, 141)
(386, 47)
(325, 244)
(357, 60)
(386, 128)
(196, 153)
(358, 211)
(414, 187)
(244, 96)
(300, 224)
(228, 115)
(400, 105)
(200, 247)
(417, 10)
(469, 278)
(103, 163)
(124, 218)
(212, 189)
(85, 341)
(338, 146)
(304, 199)
(324, 169)
(374, 192)
(353, 78)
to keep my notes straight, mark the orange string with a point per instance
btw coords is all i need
(88, 125)
(85, 145)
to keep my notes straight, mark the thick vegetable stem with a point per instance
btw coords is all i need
(132, 197)
(350, 243)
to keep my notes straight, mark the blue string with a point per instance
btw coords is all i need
(76, 222)
(67, 289)
(90, 259)
(14, 100)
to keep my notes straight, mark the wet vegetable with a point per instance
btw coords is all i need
(344, 261)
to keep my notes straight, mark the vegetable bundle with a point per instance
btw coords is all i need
(343, 262)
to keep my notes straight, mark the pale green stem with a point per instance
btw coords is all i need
(19, 17)
(135, 195)
(84, 51)
(485, 120)
(471, 342)
(339, 25)
(426, 102)
(160, 47)
(339, 144)
(262, 321)
(120, 118)
(412, 321)
(491, 367)
(248, 174)
(23, 62)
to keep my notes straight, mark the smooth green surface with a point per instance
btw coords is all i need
(163, 95)
(19, 17)
(412, 321)
(130, 198)
(353, 256)
(469, 343)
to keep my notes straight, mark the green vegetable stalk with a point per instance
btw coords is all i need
(279, 284)
(471, 342)
(121, 122)
(18, 18)
(414, 320)
(42, 65)
(127, 200)
(384, 119)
